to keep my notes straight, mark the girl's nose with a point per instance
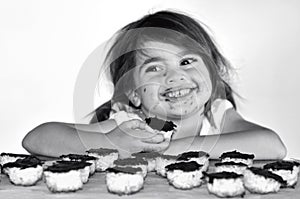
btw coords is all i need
(175, 77)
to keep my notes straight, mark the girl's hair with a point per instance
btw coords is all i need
(170, 27)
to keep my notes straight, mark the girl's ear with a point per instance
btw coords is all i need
(134, 98)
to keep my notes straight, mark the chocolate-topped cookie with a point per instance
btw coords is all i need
(159, 124)
(288, 170)
(258, 180)
(225, 184)
(184, 175)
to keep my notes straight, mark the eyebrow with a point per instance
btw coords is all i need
(152, 59)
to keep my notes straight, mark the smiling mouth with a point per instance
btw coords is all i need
(179, 93)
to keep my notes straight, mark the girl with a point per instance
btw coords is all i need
(164, 65)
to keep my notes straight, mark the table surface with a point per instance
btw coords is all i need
(154, 187)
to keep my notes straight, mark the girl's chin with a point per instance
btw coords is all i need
(174, 111)
(178, 114)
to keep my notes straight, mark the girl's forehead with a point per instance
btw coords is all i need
(157, 45)
(151, 49)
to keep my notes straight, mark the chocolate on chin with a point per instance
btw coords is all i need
(159, 124)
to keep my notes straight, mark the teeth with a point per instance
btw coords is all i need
(178, 93)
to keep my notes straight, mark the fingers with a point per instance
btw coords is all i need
(138, 124)
(158, 138)
(134, 124)
(156, 147)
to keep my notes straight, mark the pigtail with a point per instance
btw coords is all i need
(228, 94)
(102, 112)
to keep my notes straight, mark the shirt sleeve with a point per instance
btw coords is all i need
(218, 109)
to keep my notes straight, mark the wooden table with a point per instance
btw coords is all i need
(154, 187)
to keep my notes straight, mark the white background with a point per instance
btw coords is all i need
(43, 45)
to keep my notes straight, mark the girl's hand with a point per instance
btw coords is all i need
(135, 136)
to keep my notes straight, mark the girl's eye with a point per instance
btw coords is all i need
(153, 69)
(187, 61)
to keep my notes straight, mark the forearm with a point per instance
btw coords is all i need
(264, 143)
(54, 139)
(101, 127)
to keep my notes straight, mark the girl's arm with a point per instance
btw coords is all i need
(100, 127)
(53, 139)
(237, 134)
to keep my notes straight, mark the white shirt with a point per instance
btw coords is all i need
(218, 110)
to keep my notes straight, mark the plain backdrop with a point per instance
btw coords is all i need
(43, 45)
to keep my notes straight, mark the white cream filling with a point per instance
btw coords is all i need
(123, 183)
(68, 181)
(151, 164)
(26, 177)
(6, 159)
(104, 162)
(185, 180)
(260, 184)
(84, 174)
(161, 163)
(289, 176)
(248, 162)
(231, 168)
(226, 187)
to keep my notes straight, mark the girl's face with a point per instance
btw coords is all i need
(170, 81)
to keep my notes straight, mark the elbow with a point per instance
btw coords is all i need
(32, 142)
(282, 151)
(29, 140)
(278, 149)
